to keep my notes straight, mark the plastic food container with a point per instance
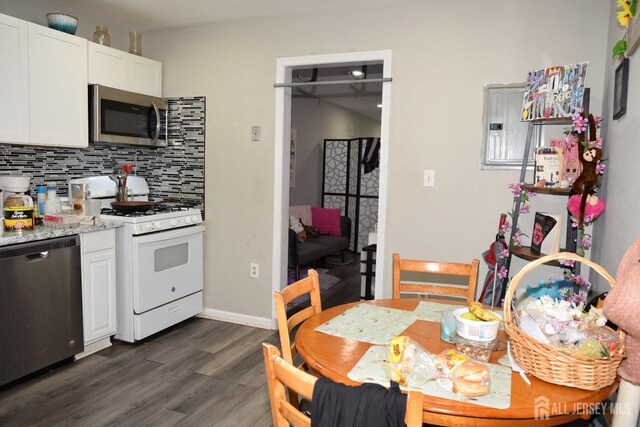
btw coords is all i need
(475, 329)
(478, 350)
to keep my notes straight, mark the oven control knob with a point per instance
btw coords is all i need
(188, 220)
(148, 227)
(173, 222)
(195, 218)
(157, 225)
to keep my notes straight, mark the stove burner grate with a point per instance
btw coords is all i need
(158, 209)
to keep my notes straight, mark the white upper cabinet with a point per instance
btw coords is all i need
(145, 76)
(108, 66)
(58, 90)
(122, 70)
(14, 80)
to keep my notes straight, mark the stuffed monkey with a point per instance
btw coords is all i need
(586, 182)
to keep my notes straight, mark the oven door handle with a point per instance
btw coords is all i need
(158, 124)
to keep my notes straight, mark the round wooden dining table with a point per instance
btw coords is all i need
(333, 357)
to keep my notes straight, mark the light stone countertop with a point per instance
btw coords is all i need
(42, 232)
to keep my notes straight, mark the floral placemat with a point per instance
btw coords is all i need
(432, 311)
(371, 369)
(369, 323)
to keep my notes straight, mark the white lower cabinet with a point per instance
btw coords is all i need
(98, 289)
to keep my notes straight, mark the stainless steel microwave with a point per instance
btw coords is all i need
(122, 117)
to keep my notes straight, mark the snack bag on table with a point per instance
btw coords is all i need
(409, 364)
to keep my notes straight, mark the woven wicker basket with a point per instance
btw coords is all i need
(549, 363)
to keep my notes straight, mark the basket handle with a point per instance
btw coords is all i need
(513, 284)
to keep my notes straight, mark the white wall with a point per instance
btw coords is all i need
(443, 55)
(316, 120)
(619, 226)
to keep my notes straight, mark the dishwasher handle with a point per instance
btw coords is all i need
(37, 256)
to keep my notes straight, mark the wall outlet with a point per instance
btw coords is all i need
(256, 133)
(429, 177)
(254, 270)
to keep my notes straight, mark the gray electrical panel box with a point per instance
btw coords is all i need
(504, 133)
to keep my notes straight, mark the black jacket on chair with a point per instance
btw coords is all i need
(367, 405)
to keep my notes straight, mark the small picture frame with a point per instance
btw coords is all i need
(620, 89)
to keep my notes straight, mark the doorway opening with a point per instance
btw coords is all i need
(301, 70)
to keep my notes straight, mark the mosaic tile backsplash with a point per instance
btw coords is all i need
(173, 171)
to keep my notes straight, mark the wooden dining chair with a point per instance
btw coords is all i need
(310, 285)
(465, 274)
(281, 375)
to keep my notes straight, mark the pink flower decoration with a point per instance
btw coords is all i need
(585, 242)
(596, 144)
(600, 167)
(516, 188)
(502, 272)
(525, 209)
(598, 121)
(579, 123)
(506, 227)
(574, 222)
(567, 263)
(571, 140)
(504, 253)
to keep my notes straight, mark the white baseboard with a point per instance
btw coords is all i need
(94, 347)
(242, 319)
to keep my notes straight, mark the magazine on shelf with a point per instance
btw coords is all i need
(549, 167)
(545, 238)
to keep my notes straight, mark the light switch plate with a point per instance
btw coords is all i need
(429, 177)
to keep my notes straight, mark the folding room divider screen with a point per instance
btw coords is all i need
(350, 181)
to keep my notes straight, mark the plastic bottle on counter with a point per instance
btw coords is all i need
(41, 196)
(52, 204)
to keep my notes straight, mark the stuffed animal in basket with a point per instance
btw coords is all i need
(585, 184)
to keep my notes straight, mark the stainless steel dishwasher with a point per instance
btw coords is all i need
(40, 305)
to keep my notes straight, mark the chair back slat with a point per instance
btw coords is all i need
(469, 272)
(310, 285)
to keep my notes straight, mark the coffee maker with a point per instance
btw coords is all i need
(16, 185)
(17, 204)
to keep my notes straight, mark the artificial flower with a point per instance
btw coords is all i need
(579, 123)
(567, 263)
(624, 16)
(502, 272)
(525, 209)
(504, 254)
(600, 167)
(516, 188)
(518, 238)
(505, 228)
(570, 140)
(596, 144)
(598, 121)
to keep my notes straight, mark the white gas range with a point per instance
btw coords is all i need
(159, 262)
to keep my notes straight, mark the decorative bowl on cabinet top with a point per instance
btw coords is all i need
(62, 22)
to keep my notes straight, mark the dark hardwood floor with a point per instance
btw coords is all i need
(198, 373)
(348, 290)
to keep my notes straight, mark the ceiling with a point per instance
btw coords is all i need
(150, 15)
(146, 15)
(362, 98)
